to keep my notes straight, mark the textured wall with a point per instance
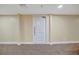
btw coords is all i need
(9, 29)
(26, 28)
(64, 28)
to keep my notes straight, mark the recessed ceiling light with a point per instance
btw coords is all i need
(60, 6)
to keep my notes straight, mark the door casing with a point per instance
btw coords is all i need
(46, 28)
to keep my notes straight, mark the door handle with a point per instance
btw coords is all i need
(34, 30)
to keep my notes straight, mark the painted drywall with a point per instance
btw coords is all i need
(26, 28)
(9, 29)
(64, 28)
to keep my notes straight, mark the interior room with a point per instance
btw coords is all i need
(39, 29)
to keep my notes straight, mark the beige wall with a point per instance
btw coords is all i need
(64, 28)
(26, 28)
(16, 28)
(9, 29)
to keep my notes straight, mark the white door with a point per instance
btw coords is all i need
(39, 29)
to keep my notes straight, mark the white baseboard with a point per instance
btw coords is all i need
(9, 42)
(19, 43)
(66, 42)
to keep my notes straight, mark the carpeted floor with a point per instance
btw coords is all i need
(39, 49)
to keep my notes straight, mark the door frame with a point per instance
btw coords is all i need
(47, 29)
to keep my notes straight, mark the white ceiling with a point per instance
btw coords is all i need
(38, 9)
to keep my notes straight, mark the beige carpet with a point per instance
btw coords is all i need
(39, 49)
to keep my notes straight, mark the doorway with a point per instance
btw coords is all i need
(40, 29)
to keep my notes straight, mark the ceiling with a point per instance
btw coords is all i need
(39, 9)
